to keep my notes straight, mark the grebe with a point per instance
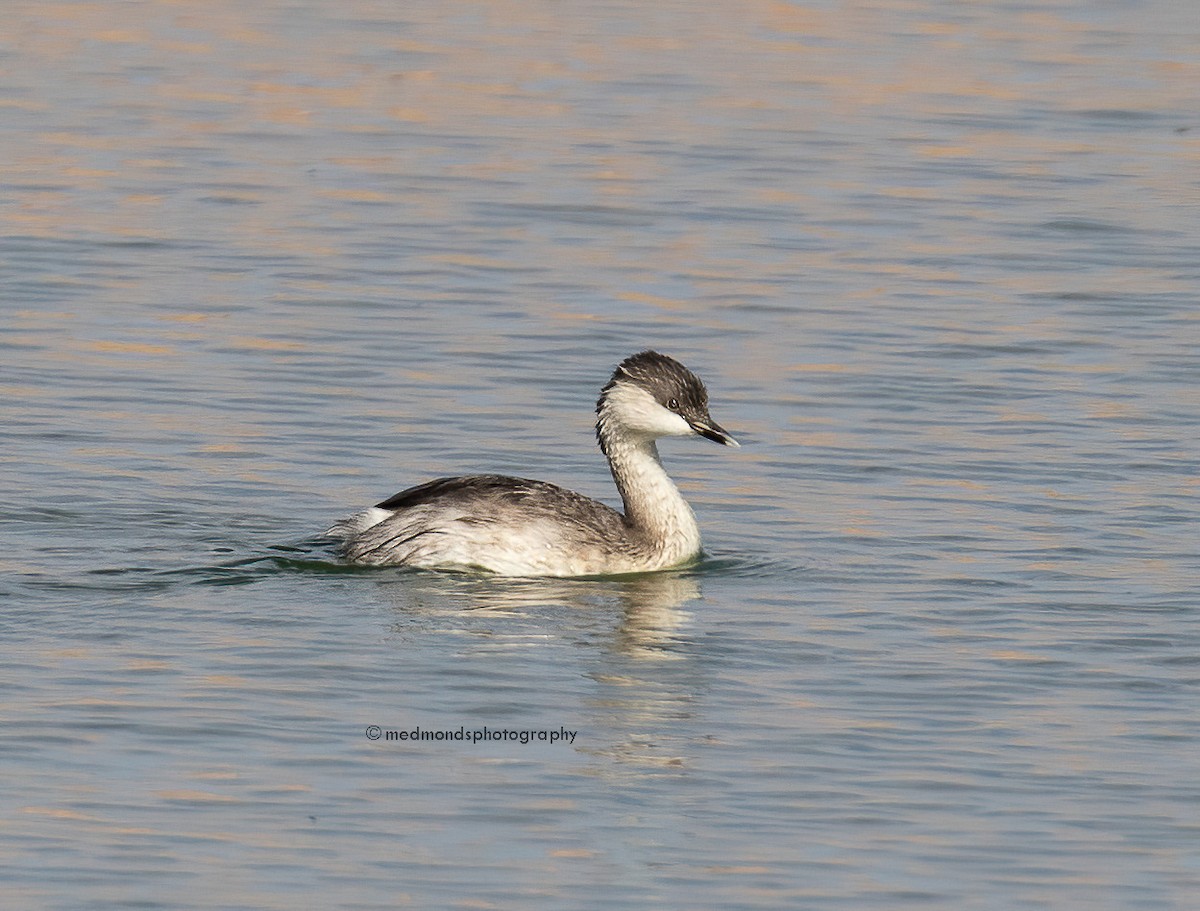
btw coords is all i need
(517, 527)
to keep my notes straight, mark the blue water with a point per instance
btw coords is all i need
(262, 266)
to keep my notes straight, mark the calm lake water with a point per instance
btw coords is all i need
(264, 264)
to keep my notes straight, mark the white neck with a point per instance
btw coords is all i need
(654, 508)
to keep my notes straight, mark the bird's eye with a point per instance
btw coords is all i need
(673, 404)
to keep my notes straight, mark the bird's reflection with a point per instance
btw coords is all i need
(653, 614)
(650, 606)
(630, 641)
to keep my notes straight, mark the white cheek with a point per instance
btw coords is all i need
(640, 413)
(667, 423)
(647, 416)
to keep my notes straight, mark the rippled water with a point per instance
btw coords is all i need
(265, 264)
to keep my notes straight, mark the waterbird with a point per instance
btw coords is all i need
(518, 527)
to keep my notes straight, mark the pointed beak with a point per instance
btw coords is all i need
(711, 430)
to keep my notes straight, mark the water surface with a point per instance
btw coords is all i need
(264, 265)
